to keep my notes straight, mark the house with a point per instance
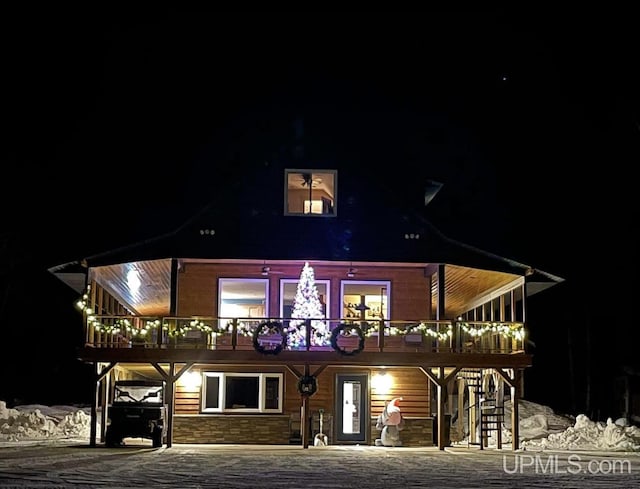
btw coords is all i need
(391, 308)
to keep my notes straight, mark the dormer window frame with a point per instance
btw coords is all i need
(325, 201)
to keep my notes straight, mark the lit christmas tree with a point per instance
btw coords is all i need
(307, 305)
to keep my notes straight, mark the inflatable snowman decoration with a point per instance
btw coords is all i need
(390, 422)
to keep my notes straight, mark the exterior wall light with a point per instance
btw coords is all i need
(382, 382)
(190, 381)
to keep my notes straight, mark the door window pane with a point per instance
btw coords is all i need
(351, 408)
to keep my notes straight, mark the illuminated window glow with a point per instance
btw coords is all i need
(242, 392)
(313, 207)
(310, 192)
(350, 413)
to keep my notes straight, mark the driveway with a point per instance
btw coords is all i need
(76, 465)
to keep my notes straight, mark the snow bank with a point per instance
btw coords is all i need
(541, 428)
(536, 420)
(591, 435)
(37, 422)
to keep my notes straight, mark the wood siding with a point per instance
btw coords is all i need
(409, 383)
(198, 286)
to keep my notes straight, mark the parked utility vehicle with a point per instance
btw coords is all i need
(138, 410)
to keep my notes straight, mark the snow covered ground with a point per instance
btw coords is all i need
(36, 422)
(47, 447)
(540, 428)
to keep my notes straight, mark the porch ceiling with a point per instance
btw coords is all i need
(465, 286)
(145, 286)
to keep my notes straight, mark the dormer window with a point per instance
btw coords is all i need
(310, 193)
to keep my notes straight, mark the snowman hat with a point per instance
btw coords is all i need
(395, 402)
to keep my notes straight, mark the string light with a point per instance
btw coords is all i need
(505, 330)
(182, 331)
(83, 302)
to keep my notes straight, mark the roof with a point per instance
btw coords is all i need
(246, 221)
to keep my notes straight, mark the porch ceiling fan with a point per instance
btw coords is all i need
(266, 271)
(308, 180)
(352, 271)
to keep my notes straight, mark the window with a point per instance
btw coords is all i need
(288, 289)
(310, 193)
(242, 298)
(242, 392)
(372, 294)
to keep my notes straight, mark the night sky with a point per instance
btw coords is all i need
(119, 125)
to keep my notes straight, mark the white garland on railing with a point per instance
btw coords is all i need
(505, 330)
(182, 330)
(124, 325)
(243, 329)
(118, 326)
(145, 330)
(424, 329)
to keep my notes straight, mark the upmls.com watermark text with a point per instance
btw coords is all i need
(554, 464)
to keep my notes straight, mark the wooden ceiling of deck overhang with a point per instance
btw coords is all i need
(151, 296)
(468, 287)
(463, 286)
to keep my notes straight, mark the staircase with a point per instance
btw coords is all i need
(491, 415)
(491, 419)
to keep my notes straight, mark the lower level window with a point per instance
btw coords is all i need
(242, 392)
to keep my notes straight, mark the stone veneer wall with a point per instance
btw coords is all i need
(417, 432)
(257, 429)
(274, 430)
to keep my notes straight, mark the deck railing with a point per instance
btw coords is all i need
(271, 335)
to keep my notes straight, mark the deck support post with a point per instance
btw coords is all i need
(515, 383)
(170, 378)
(515, 414)
(98, 377)
(303, 413)
(171, 385)
(440, 380)
(94, 406)
(442, 440)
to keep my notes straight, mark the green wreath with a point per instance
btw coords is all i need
(347, 327)
(272, 327)
(307, 385)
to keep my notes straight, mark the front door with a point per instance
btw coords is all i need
(352, 408)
